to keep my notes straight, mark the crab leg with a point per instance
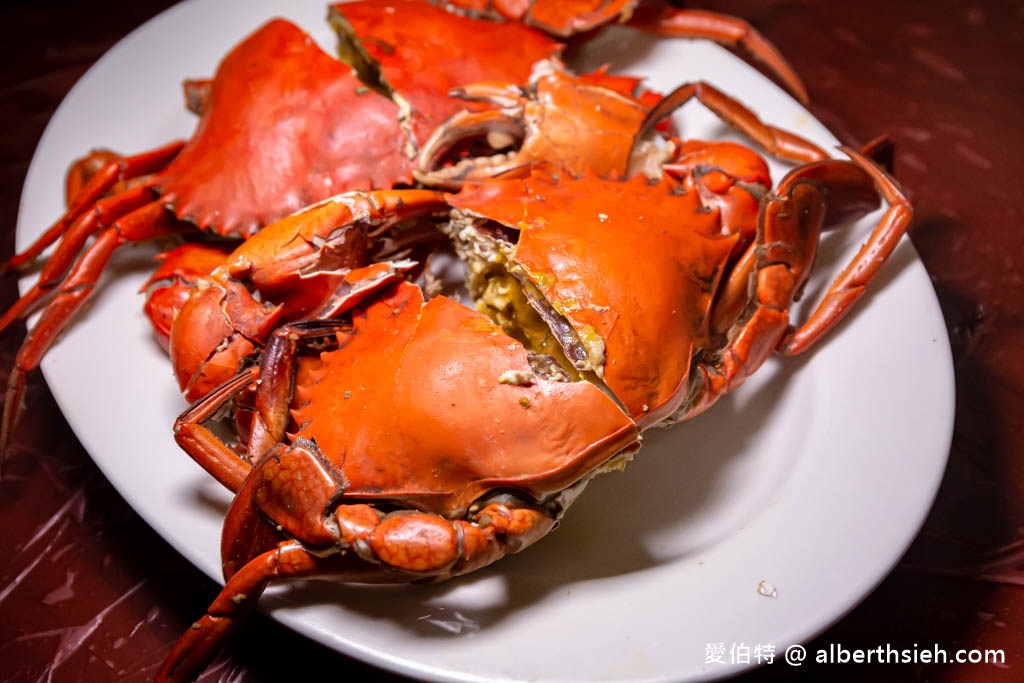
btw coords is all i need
(202, 445)
(776, 141)
(404, 547)
(565, 19)
(277, 380)
(852, 195)
(778, 262)
(774, 277)
(150, 220)
(731, 31)
(121, 207)
(201, 643)
(851, 284)
(111, 173)
(423, 544)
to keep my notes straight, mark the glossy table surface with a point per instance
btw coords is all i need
(89, 592)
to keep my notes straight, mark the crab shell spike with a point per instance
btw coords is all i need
(640, 326)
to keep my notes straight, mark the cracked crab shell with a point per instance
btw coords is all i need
(632, 263)
(415, 407)
(423, 51)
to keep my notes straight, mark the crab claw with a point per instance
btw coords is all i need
(171, 284)
(500, 133)
(576, 123)
(406, 547)
(309, 264)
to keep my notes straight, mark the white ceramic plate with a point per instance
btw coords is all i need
(814, 477)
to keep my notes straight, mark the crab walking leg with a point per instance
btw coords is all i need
(85, 199)
(782, 251)
(564, 19)
(721, 28)
(202, 445)
(149, 221)
(405, 547)
(201, 643)
(852, 194)
(274, 380)
(277, 379)
(132, 205)
(424, 544)
(352, 542)
(851, 284)
(776, 141)
(778, 263)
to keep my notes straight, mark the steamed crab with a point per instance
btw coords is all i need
(357, 402)
(364, 455)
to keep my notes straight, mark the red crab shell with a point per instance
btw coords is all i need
(417, 408)
(346, 137)
(423, 50)
(426, 442)
(636, 267)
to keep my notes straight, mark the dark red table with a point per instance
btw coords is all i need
(89, 593)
